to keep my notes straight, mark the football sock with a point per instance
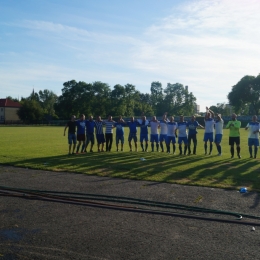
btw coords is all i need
(152, 145)
(168, 148)
(210, 148)
(146, 147)
(185, 149)
(256, 150)
(232, 151)
(194, 149)
(205, 148)
(161, 146)
(142, 146)
(157, 147)
(238, 150)
(174, 148)
(250, 150)
(78, 148)
(180, 148)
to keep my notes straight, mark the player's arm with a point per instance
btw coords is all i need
(211, 112)
(247, 126)
(228, 124)
(65, 129)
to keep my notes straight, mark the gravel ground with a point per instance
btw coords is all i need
(36, 229)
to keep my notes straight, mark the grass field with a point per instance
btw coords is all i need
(46, 148)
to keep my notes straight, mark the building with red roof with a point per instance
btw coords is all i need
(8, 110)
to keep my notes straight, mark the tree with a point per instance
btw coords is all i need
(47, 100)
(246, 94)
(13, 99)
(30, 111)
(118, 101)
(222, 108)
(178, 100)
(156, 96)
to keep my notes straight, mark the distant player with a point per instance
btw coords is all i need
(253, 136)
(144, 133)
(192, 134)
(182, 135)
(81, 138)
(132, 133)
(71, 134)
(209, 130)
(234, 135)
(119, 125)
(219, 123)
(109, 133)
(163, 131)
(154, 124)
(100, 134)
(90, 126)
(171, 135)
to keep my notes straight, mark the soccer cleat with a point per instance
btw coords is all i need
(239, 156)
(255, 157)
(251, 156)
(117, 150)
(189, 153)
(122, 150)
(219, 154)
(142, 150)
(232, 156)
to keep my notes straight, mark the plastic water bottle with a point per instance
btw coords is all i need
(243, 190)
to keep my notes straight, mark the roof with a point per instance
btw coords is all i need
(4, 102)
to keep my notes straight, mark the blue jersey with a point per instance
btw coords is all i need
(132, 127)
(81, 127)
(119, 129)
(90, 125)
(192, 126)
(182, 126)
(144, 128)
(99, 127)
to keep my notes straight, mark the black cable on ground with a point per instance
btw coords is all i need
(80, 199)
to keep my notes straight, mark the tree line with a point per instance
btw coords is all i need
(98, 98)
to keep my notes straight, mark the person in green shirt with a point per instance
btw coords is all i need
(234, 135)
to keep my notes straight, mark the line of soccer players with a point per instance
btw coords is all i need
(169, 132)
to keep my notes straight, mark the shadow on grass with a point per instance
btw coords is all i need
(199, 170)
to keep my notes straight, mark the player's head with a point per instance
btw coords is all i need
(132, 119)
(120, 119)
(82, 117)
(90, 118)
(98, 118)
(172, 118)
(234, 116)
(73, 118)
(193, 118)
(143, 118)
(154, 118)
(109, 117)
(254, 118)
(164, 117)
(218, 116)
(181, 118)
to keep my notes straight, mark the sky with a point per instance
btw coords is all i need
(205, 45)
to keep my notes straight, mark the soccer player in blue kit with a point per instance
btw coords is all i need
(81, 124)
(192, 134)
(144, 132)
(154, 124)
(163, 130)
(90, 125)
(71, 134)
(132, 133)
(119, 125)
(209, 130)
(182, 127)
(171, 134)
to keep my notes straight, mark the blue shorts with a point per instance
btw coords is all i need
(163, 138)
(143, 137)
(208, 137)
(100, 138)
(154, 138)
(218, 138)
(171, 139)
(132, 136)
(72, 138)
(90, 138)
(183, 139)
(253, 141)
(120, 138)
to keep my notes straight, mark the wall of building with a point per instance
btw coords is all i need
(11, 113)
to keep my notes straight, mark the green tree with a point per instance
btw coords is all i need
(47, 100)
(178, 100)
(118, 101)
(245, 95)
(30, 110)
(157, 96)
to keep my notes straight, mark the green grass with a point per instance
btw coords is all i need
(46, 148)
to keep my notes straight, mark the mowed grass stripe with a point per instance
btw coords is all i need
(46, 148)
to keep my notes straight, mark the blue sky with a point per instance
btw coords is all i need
(207, 45)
